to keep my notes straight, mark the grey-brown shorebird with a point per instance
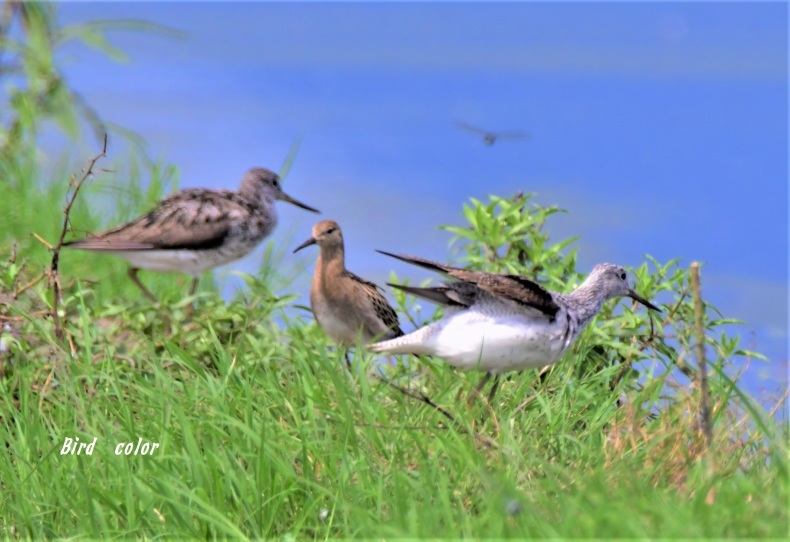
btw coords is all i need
(498, 323)
(196, 229)
(349, 309)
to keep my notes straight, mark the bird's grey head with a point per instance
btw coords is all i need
(612, 281)
(265, 186)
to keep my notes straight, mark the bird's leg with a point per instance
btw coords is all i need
(493, 389)
(190, 309)
(479, 387)
(348, 360)
(133, 275)
(193, 289)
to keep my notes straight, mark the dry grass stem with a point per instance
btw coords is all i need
(699, 322)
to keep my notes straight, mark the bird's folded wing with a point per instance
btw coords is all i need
(382, 308)
(512, 287)
(520, 290)
(422, 262)
(363, 282)
(443, 295)
(387, 315)
(188, 220)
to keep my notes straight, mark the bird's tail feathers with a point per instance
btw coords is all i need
(100, 245)
(416, 260)
(413, 343)
(442, 295)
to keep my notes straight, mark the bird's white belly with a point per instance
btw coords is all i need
(184, 261)
(339, 329)
(497, 344)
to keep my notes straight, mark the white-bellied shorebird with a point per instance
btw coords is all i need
(196, 229)
(499, 323)
(489, 138)
(349, 309)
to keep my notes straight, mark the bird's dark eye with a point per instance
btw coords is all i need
(275, 183)
(330, 230)
(622, 275)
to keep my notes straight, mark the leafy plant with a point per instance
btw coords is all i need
(507, 235)
(35, 95)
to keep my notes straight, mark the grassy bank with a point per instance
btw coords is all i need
(263, 433)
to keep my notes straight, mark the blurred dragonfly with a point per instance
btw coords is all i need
(490, 137)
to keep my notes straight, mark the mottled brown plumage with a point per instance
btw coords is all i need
(348, 308)
(196, 229)
(512, 287)
(193, 219)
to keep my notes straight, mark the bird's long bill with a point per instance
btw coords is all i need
(635, 296)
(289, 199)
(307, 243)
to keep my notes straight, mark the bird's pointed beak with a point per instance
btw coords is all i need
(307, 243)
(292, 201)
(636, 297)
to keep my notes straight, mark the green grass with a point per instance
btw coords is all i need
(262, 431)
(264, 434)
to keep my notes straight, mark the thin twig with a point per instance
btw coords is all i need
(29, 285)
(393, 427)
(672, 312)
(410, 318)
(428, 401)
(87, 171)
(703, 368)
(627, 362)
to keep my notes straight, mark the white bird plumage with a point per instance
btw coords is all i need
(499, 323)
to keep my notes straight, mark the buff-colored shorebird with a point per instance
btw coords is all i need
(196, 229)
(498, 323)
(349, 309)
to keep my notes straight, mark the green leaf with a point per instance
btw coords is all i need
(98, 41)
